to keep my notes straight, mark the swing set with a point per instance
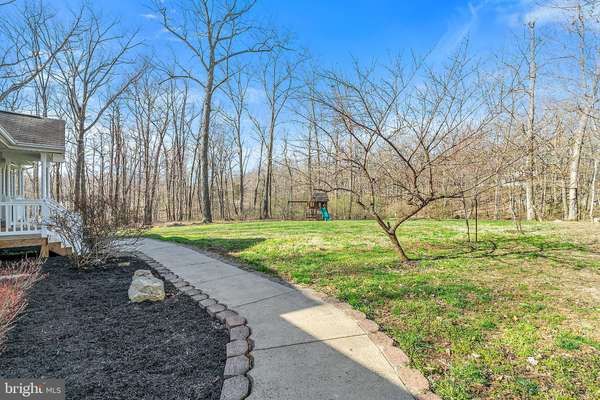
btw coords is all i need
(314, 209)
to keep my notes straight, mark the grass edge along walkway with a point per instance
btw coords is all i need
(303, 348)
(470, 316)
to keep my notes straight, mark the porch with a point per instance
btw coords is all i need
(30, 147)
(25, 196)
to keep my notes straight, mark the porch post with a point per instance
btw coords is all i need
(49, 180)
(2, 181)
(10, 179)
(21, 182)
(44, 176)
(13, 182)
(5, 181)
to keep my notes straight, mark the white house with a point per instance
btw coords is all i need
(25, 199)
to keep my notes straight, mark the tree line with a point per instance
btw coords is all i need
(226, 118)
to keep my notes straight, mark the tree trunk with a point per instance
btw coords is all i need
(467, 215)
(241, 167)
(206, 206)
(593, 188)
(258, 175)
(57, 182)
(80, 192)
(397, 247)
(565, 200)
(497, 198)
(589, 98)
(531, 125)
(266, 206)
(574, 168)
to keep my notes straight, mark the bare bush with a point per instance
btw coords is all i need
(94, 236)
(16, 278)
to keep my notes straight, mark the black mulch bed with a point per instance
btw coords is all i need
(80, 326)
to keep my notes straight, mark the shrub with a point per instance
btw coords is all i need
(16, 278)
(92, 234)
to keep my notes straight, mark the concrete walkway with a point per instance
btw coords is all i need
(304, 349)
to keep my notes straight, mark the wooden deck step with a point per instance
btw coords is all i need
(18, 241)
(12, 241)
(57, 248)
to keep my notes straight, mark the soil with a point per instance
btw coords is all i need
(81, 327)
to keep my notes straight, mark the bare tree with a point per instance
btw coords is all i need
(87, 70)
(277, 79)
(593, 184)
(215, 32)
(410, 138)
(150, 106)
(236, 90)
(530, 128)
(30, 44)
(588, 87)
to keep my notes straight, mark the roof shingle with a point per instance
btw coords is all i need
(30, 130)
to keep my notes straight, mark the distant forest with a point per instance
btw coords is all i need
(245, 121)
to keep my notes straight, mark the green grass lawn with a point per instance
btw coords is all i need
(513, 316)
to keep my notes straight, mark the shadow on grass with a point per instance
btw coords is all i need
(526, 247)
(224, 247)
(217, 245)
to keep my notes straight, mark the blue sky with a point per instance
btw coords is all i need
(336, 30)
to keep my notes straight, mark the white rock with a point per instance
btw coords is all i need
(532, 361)
(145, 287)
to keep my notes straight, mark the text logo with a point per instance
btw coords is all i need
(32, 389)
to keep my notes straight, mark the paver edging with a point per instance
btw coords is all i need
(416, 383)
(236, 384)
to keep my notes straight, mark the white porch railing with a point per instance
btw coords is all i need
(22, 217)
(25, 217)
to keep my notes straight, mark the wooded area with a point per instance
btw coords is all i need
(246, 122)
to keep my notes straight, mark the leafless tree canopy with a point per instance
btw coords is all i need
(30, 45)
(407, 133)
(216, 34)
